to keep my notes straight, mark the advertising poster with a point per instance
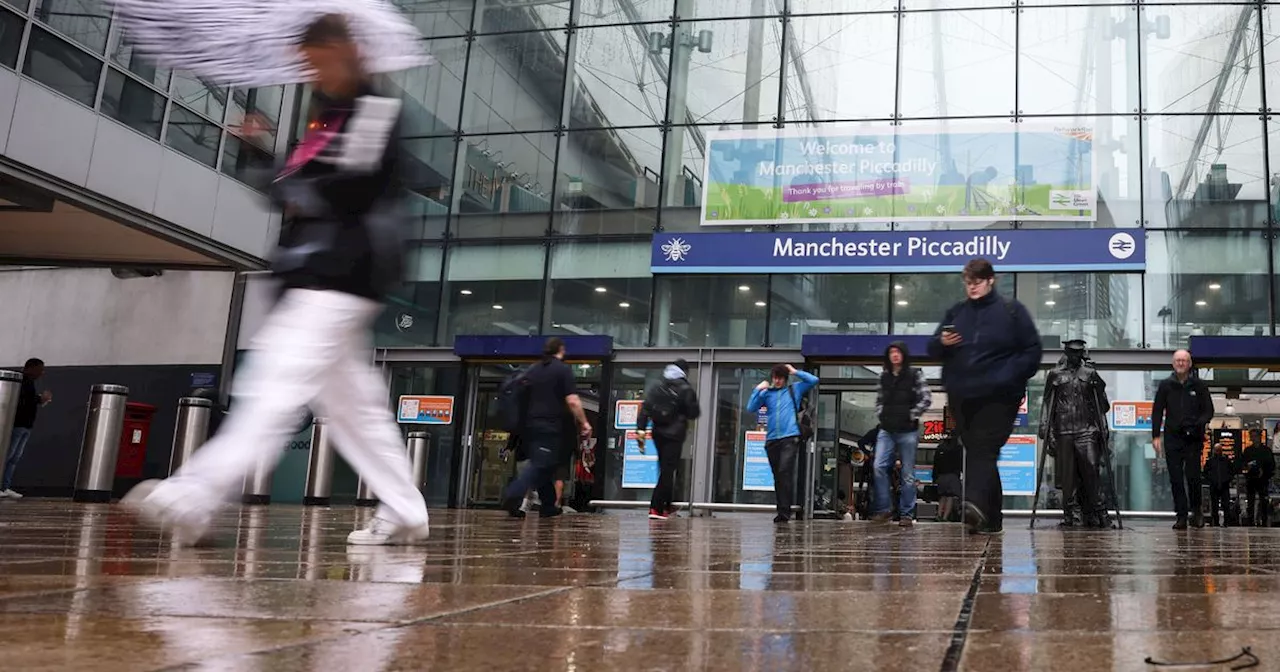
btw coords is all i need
(756, 474)
(924, 474)
(639, 470)
(425, 410)
(1271, 430)
(1023, 417)
(626, 413)
(1233, 441)
(1017, 465)
(1130, 416)
(881, 173)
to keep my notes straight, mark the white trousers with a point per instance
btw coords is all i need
(313, 352)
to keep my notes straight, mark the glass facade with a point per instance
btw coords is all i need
(74, 48)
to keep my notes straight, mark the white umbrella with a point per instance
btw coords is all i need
(250, 43)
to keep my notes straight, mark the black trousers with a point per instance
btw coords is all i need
(544, 457)
(1079, 469)
(1183, 460)
(668, 464)
(782, 460)
(984, 425)
(1256, 492)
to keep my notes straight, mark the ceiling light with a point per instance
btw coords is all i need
(1055, 286)
(897, 288)
(795, 324)
(1202, 302)
(555, 326)
(465, 292)
(624, 304)
(760, 304)
(744, 288)
(902, 303)
(497, 307)
(601, 290)
(1050, 303)
(1215, 286)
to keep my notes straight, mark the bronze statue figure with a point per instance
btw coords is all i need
(1073, 425)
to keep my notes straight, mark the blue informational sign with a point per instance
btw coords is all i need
(203, 380)
(1131, 416)
(924, 475)
(756, 474)
(1032, 250)
(1017, 465)
(639, 470)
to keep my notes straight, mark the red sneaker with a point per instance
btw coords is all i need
(655, 514)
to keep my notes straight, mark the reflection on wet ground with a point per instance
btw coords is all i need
(83, 587)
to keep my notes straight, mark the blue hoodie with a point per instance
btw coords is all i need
(781, 402)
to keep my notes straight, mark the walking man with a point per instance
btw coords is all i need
(782, 441)
(29, 403)
(670, 404)
(903, 397)
(989, 348)
(552, 395)
(1182, 409)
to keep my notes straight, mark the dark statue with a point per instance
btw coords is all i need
(1073, 425)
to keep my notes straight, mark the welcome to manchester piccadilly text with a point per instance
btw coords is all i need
(871, 158)
(988, 246)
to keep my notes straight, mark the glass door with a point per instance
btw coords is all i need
(845, 414)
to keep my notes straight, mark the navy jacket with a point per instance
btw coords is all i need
(1000, 351)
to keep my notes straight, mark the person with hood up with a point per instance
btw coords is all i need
(669, 405)
(902, 399)
(1219, 469)
(1258, 464)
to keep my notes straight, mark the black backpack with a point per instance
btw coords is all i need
(804, 419)
(664, 405)
(513, 401)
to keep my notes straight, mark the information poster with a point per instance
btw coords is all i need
(639, 470)
(1233, 441)
(425, 410)
(1130, 416)
(626, 413)
(924, 474)
(756, 474)
(1023, 417)
(1017, 465)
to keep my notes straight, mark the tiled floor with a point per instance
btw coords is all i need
(83, 588)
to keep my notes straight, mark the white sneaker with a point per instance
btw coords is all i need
(526, 505)
(382, 532)
(10, 494)
(568, 509)
(186, 529)
(848, 517)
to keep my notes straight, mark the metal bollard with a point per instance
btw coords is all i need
(101, 443)
(319, 487)
(10, 387)
(417, 446)
(191, 429)
(257, 485)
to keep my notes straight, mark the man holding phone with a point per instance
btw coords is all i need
(989, 347)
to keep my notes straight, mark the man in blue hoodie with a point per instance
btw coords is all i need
(782, 442)
(989, 347)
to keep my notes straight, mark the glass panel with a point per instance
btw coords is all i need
(492, 200)
(725, 72)
(264, 102)
(834, 6)
(827, 304)
(733, 390)
(607, 12)
(432, 94)
(410, 317)
(1192, 63)
(631, 383)
(957, 63)
(192, 135)
(133, 104)
(430, 181)
(601, 288)
(141, 65)
(910, 5)
(11, 26)
(62, 67)
(244, 160)
(705, 311)
(1073, 60)
(441, 379)
(615, 170)
(493, 16)
(84, 21)
(434, 18)
(620, 81)
(209, 100)
(1210, 283)
(683, 167)
(1105, 309)
(20, 4)
(920, 301)
(1118, 168)
(1219, 182)
(832, 77)
(493, 289)
(689, 9)
(515, 83)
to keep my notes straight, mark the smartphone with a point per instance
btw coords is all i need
(949, 327)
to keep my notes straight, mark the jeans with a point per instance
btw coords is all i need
(17, 446)
(1183, 461)
(543, 450)
(903, 446)
(668, 463)
(782, 460)
(984, 425)
(312, 352)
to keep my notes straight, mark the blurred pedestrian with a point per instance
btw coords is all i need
(30, 401)
(901, 400)
(670, 405)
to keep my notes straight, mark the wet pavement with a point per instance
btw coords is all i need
(83, 587)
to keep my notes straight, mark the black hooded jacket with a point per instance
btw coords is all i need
(903, 397)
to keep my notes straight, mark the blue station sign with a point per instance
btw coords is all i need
(1026, 250)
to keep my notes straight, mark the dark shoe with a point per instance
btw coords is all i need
(512, 507)
(780, 519)
(552, 513)
(1180, 523)
(1197, 519)
(906, 522)
(881, 517)
(974, 518)
(991, 531)
(655, 514)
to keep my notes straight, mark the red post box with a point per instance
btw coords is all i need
(133, 440)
